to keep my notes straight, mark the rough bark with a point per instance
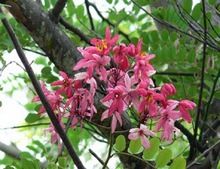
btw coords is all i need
(47, 34)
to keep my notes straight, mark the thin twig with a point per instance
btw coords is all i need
(75, 31)
(108, 21)
(176, 74)
(199, 109)
(89, 15)
(41, 95)
(34, 51)
(97, 157)
(109, 151)
(25, 126)
(189, 136)
(209, 103)
(131, 155)
(175, 28)
(203, 154)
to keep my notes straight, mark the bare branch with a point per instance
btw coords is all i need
(89, 15)
(75, 30)
(58, 8)
(97, 157)
(108, 21)
(200, 109)
(41, 95)
(176, 28)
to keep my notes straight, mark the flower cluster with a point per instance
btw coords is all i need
(123, 74)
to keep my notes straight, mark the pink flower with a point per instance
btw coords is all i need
(103, 46)
(53, 99)
(143, 69)
(149, 102)
(168, 89)
(81, 104)
(66, 85)
(184, 107)
(167, 118)
(143, 133)
(114, 100)
(115, 78)
(120, 57)
(93, 62)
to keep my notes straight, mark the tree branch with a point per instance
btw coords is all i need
(199, 110)
(58, 8)
(97, 157)
(176, 28)
(209, 103)
(42, 97)
(14, 152)
(75, 31)
(204, 153)
(176, 74)
(108, 21)
(189, 136)
(89, 15)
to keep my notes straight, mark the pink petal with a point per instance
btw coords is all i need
(133, 136)
(107, 33)
(118, 116)
(127, 82)
(145, 142)
(63, 74)
(114, 123)
(104, 115)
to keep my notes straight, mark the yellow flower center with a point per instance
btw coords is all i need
(149, 98)
(101, 45)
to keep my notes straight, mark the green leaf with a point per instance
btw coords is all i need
(120, 143)
(27, 164)
(196, 13)
(80, 11)
(178, 163)
(187, 5)
(31, 118)
(52, 166)
(30, 106)
(109, 1)
(45, 71)
(143, 2)
(163, 158)
(62, 161)
(135, 147)
(150, 153)
(41, 61)
(40, 145)
(212, 2)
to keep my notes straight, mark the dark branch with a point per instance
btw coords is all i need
(189, 136)
(209, 103)
(58, 8)
(97, 157)
(176, 74)
(75, 31)
(108, 21)
(31, 50)
(25, 126)
(89, 15)
(42, 97)
(200, 109)
(176, 28)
